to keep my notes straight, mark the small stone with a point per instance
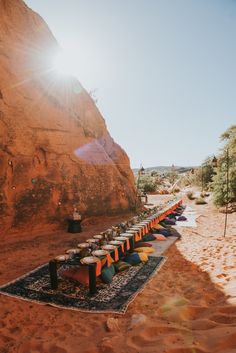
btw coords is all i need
(112, 324)
(137, 320)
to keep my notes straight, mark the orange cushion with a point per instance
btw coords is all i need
(159, 237)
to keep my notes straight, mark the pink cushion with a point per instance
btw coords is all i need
(142, 244)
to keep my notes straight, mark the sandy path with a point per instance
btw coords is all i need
(180, 311)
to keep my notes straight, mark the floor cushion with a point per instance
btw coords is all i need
(133, 259)
(121, 266)
(141, 243)
(143, 257)
(107, 274)
(146, 250)
(182, 218)
(160, 237)
(148, 237)
(172, 216)
(169, 221)
(165, 232)
(158, 226)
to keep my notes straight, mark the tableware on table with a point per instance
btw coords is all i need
(62, 257)
(92, 241)
(120, 238)
(83, 245)
(73, 251)
(109, 247)
(98, 236)
(100, 252)
(116, 242)
(89, 260)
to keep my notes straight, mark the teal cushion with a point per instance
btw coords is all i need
(107, 274)
(112, 269)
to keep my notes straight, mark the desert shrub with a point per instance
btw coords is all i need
(172, 176)
(220, 187)
(154, 173)
(200, 201)
(201, 176)
(149, 187)
(147, 184)
(190, 195)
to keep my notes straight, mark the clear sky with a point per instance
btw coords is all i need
(164, 70)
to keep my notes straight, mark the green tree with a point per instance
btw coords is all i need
(207, 173)
(224, 163)
(203, 175)
(147, 184)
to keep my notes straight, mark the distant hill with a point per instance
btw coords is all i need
(164, 169)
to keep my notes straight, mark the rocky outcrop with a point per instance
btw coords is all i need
(55, 150)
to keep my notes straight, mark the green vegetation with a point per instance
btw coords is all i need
(224, 163)
(147, 184)
(212, 174)
(172, 176)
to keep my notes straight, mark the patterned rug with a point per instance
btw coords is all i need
(114, 298)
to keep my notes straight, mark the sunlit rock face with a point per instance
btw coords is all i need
(55, 150)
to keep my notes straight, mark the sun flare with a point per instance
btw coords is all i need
(64, 64)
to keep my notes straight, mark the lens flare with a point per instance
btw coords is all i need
(63, 64)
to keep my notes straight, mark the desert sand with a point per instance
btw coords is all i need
(188, 307)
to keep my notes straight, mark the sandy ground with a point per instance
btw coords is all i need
(189, 307)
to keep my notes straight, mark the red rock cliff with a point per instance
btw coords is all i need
(55, 150)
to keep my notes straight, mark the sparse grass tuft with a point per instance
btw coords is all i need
(190, 195)
(200, 201)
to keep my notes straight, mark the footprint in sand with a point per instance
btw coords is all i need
(143, 341)
(203, 324)
(222, 275)
(223, 318)
(191, 349)
(56, 349)
(154, 332)
(228, 268)
(193, 312)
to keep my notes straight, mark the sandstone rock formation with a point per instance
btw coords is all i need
(55, 150)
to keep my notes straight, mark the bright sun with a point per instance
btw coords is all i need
(64, 64)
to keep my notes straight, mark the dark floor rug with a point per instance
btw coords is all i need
(115, 297)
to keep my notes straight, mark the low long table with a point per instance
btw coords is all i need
(137, 235)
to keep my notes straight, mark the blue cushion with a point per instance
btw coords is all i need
(148, 237)
(165, 232)
(168, 221)
(133, 259)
